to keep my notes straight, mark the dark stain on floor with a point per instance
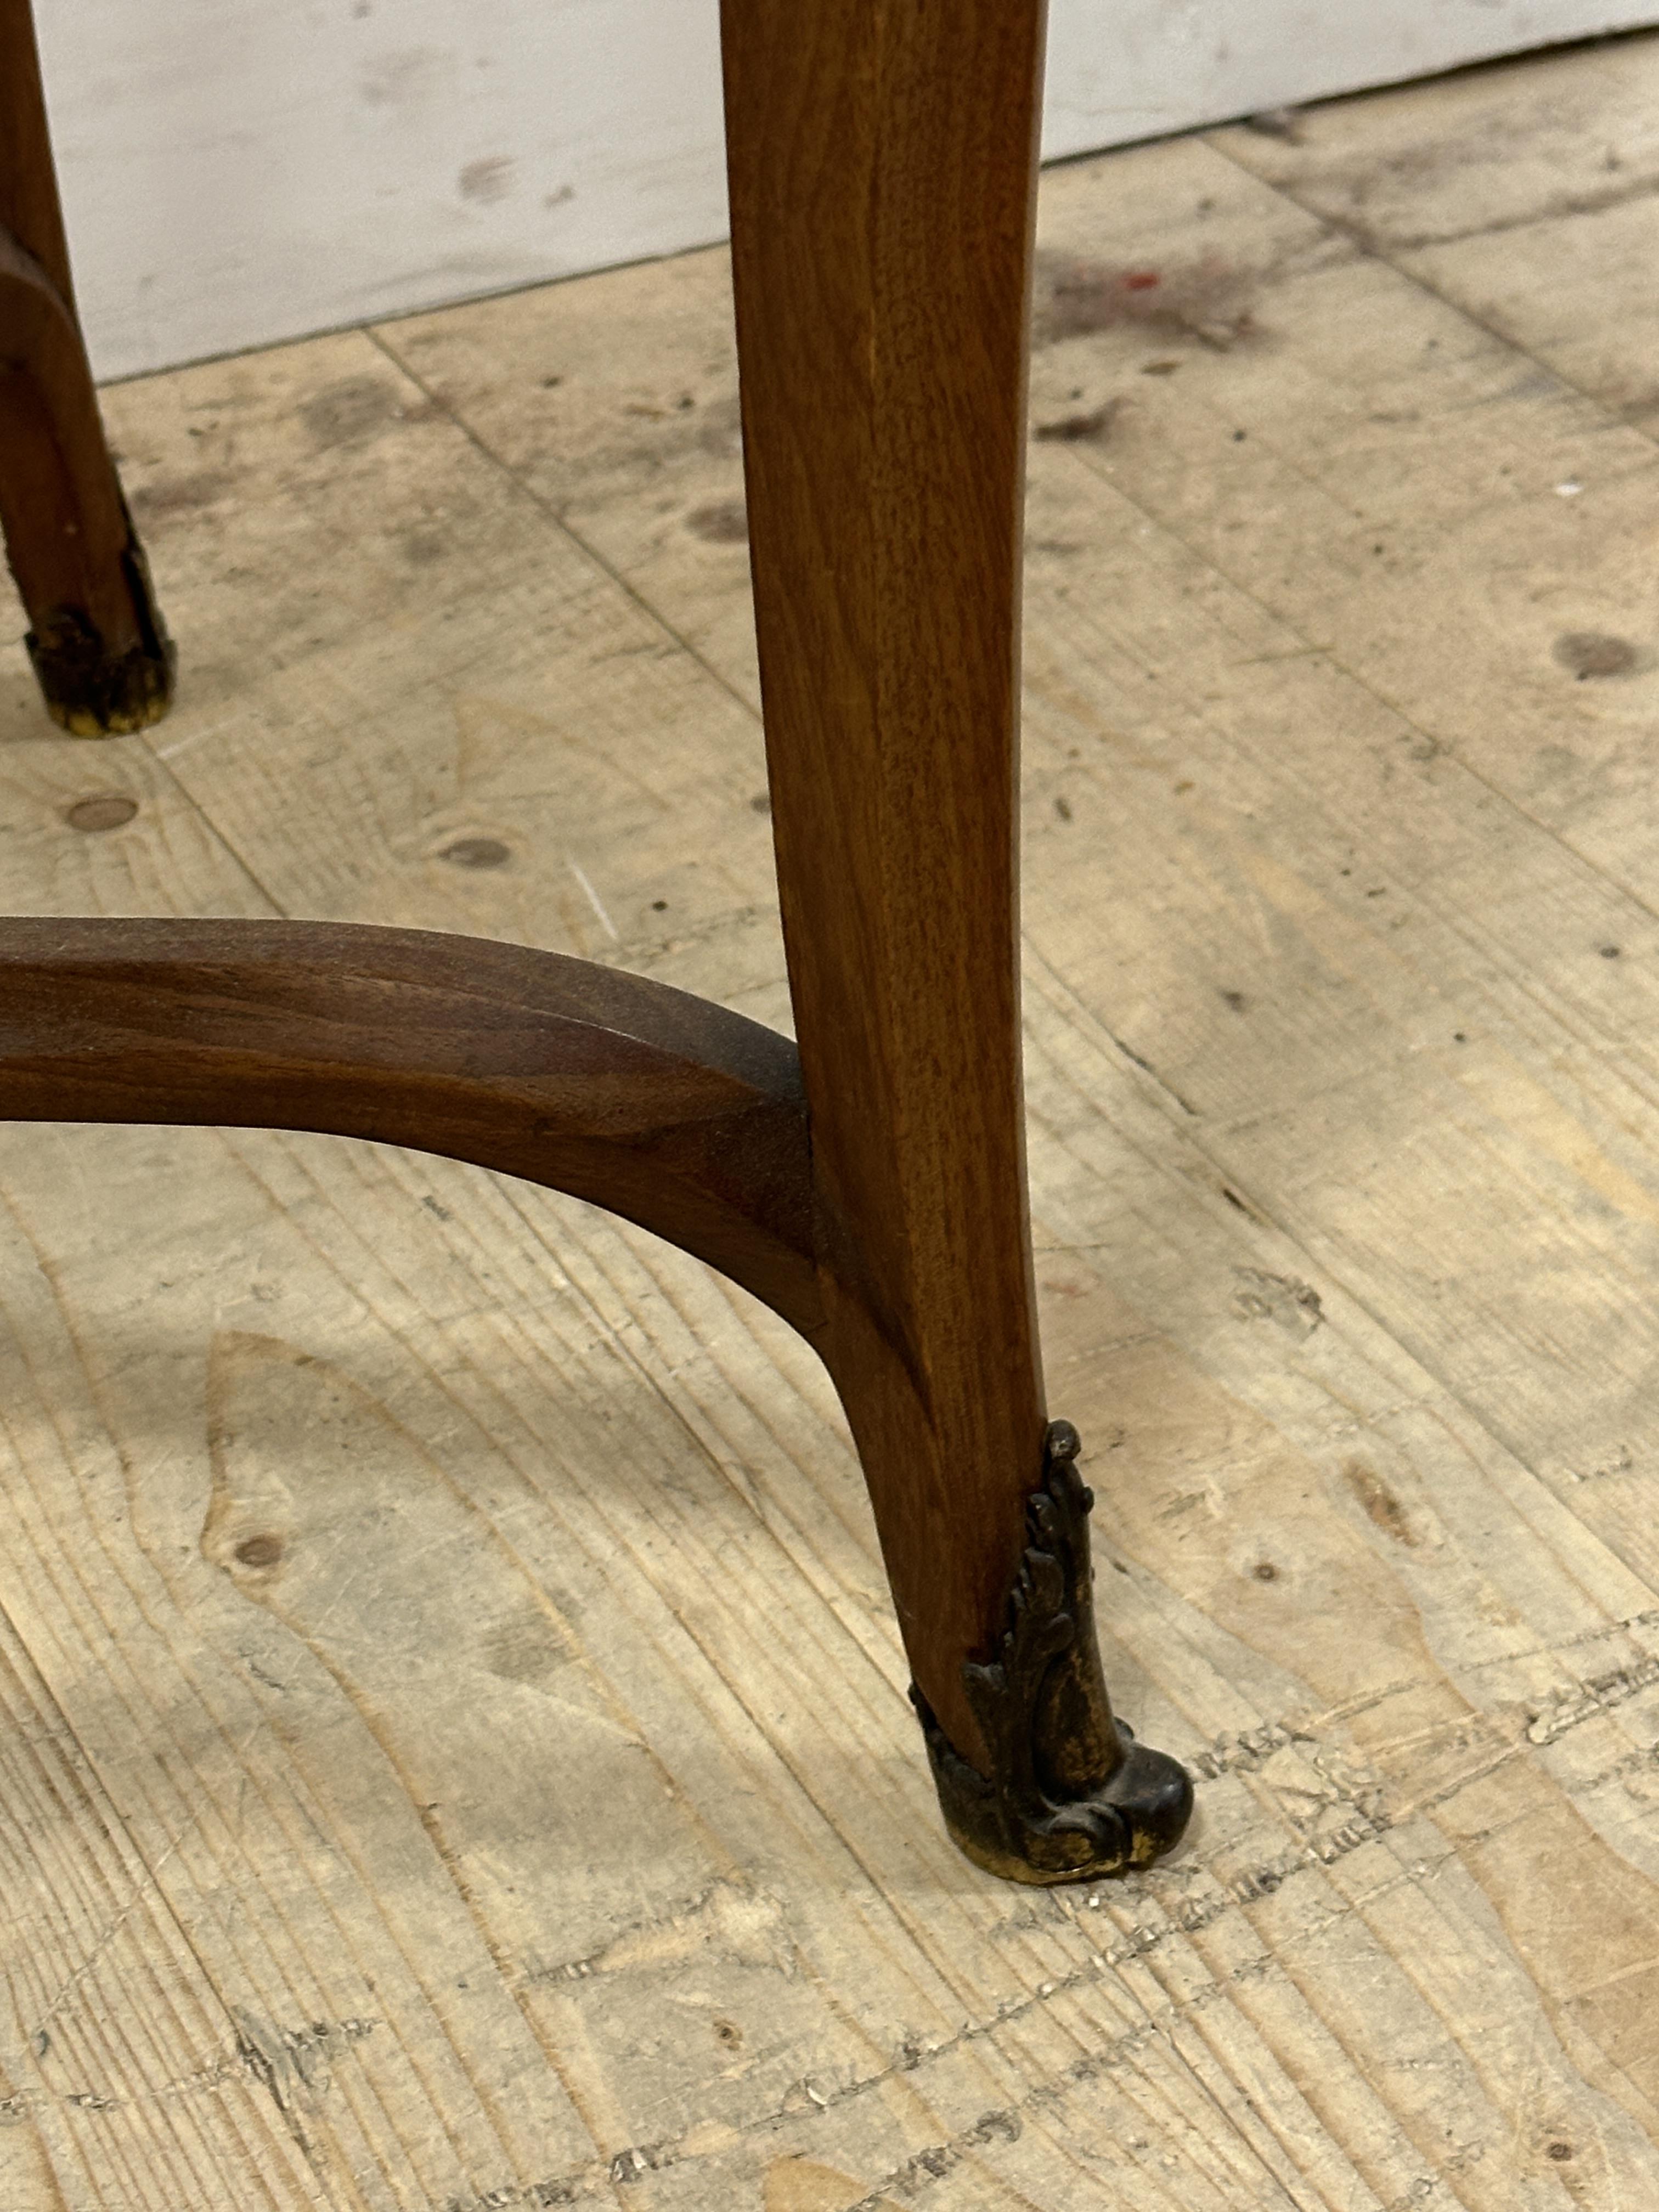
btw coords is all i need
(185, 494)
(1208, 299)
(1586, 652)
(724, 523)
(351, 412)
(1095, 426)
(1382, 1506)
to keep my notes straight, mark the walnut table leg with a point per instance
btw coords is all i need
(882, 157)
(103, 658)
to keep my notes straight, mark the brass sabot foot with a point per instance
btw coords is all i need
(1071, 1796)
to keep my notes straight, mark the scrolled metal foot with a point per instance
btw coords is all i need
(1071, 1796)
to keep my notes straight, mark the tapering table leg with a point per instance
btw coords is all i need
(882, 157)
(96, 639)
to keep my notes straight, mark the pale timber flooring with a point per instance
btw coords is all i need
(454, 1751)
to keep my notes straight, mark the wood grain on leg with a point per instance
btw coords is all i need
(881, 163)
(881, 156)
(96, 639)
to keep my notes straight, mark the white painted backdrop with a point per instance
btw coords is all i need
(237, 171)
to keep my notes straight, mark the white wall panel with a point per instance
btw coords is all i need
(237, 171)
(1120, 70)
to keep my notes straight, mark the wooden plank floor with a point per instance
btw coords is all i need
(454, 1751)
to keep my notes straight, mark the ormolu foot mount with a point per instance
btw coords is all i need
(1070, 1794)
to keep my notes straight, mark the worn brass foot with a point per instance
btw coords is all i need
(93, 691)
(1071, 1796)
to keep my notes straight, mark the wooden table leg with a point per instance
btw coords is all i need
(871, 1187)
(882, 157)
(96, 639)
